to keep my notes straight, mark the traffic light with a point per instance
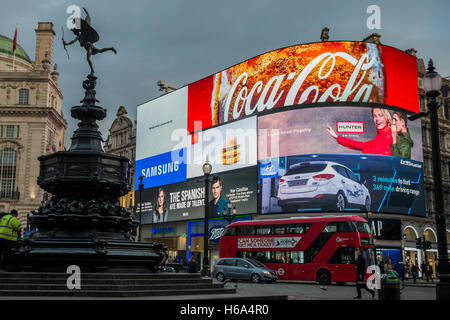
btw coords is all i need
(428, 244)
(418, 243)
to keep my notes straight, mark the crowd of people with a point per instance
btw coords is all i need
(407, 270)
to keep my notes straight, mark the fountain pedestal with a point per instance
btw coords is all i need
(83, 223)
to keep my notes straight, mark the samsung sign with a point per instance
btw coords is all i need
(166, 168)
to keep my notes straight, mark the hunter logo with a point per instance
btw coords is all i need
(349, 127)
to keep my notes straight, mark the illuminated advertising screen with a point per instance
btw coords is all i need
(312, 127)
(304, 74)
(340, 159)
(161, 146)
(186, 200)
(228, 147)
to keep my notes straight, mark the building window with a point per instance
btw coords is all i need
(23, 96)
(9, 131)
(8, 164)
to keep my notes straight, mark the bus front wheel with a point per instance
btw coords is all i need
(323, 277)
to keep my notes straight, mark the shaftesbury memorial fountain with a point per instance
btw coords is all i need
(82, 223)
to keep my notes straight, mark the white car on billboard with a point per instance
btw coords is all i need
(327, 185)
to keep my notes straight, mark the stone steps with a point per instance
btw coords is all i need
(23, 284)
(5, 281)
(134, 293)
(51, 275)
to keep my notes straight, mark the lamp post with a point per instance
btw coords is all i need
(432, 84)
(207, 168)
(231, 213)
(141, 188)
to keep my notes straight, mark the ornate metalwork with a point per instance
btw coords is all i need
(82, 222)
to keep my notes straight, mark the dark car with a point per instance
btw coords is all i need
(242, 269)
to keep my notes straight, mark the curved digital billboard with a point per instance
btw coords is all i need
(308, 73)
(340, 159)
(312, 127)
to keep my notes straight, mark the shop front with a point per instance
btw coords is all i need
(195, 238)
(173, 235)
(388, 241)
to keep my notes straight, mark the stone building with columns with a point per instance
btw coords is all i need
(121, 141)
(31, 119)
(424, 227)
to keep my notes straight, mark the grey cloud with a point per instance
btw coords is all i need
(183, 41)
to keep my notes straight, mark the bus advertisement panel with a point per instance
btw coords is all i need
(322, 249)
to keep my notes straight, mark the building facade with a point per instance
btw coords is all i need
(395, 235)
(31, 119)
(425, 228)
(121, 141)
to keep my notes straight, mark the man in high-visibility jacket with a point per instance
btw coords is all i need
(9, 230)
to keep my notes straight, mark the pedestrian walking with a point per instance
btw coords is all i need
(388, 268)
(192, 265)
(429, 273)
(414, 272)
(10, 228)
(381, 265)
(403, 271)
(423, 267)
(360, 276)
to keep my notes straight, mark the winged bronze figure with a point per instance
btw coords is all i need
(87, 36)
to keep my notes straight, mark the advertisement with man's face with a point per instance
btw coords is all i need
(186, 200)
(340, 159)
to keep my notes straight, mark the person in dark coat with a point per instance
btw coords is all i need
(414, 272)
(360, 276)
(192, 265)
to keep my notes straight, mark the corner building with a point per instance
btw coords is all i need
(395, 234)
(31, 119)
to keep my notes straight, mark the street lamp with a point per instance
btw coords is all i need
(432, 84)
(229, 214)
(141, 188)
(207, 169)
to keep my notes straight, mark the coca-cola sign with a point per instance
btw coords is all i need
(306, 74)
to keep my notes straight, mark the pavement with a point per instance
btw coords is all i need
(290, 290)
(419, 283)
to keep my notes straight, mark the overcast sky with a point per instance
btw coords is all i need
(182, 41)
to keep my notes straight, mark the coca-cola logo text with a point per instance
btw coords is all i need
(267, 95)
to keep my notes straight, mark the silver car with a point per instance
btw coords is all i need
(242, 269)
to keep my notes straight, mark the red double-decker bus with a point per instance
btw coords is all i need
(321, 249)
